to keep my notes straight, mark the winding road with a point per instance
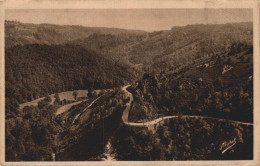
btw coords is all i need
(128, 108)
(155, 121)
(145, 124)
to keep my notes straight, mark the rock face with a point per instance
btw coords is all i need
(149, 83)
(145, 92)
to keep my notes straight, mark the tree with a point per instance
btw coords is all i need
(248, 60)
(94, 94)
(164, 134)
(42, 104)
(90, 92)
(115, 102)
(242, 58)
(11, 106)
(28, 112)
(238, 135)
(158, 152)
(47, 99)
(229, 61)
(218, 83)
(218, 61)
(57, 98)
(75, 94)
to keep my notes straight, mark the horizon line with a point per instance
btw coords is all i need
(175, 26)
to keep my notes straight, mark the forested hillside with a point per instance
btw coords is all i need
(183, 45)
(110, 45)
(155, 51)
(183, 139)
(164, 50)
(33, 71)
(220, 86)
(36, 133)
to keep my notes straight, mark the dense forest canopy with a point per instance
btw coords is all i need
(33, 71)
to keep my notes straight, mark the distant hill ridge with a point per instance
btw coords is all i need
(149, 51)
(18, 33)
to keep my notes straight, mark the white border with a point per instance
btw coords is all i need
(103, 4)
(130, 4)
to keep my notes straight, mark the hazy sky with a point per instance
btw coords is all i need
(143, 19)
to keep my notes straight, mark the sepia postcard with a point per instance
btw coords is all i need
(119, 82)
